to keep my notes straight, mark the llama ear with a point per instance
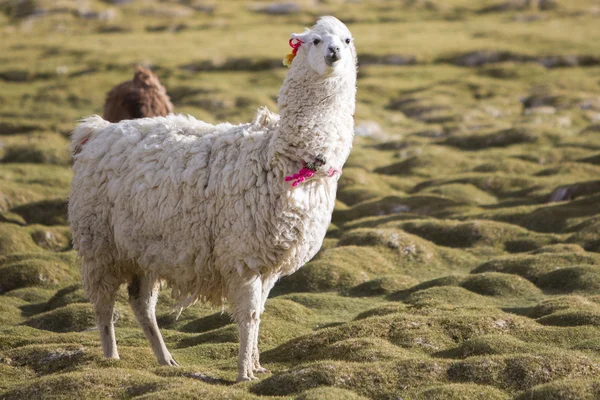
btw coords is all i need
(303, 37)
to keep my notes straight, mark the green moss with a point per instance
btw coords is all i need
(497, 284)
(32, 294)
(12, 376)
(46, 212)
(408, 250)
(52, 358)
(382, 286)
(69, 295)
(571, 318)
(580, 389)
(71, 318)
(533, 267)
(447, 296)
(338, 268)
(15, 239)
(200, 391)
(522, 372)
(330, 394)
(463, 193)
(96, 384)
(18, 271)
(368, 379)
(10, 312)
(357, 185)
(492, 345)
(459, 392)
(387, 309)
(47, 148)
(477, 233)
(584, 278)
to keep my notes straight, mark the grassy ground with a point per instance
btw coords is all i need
(446, 274)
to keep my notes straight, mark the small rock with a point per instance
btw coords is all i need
(118, 2)
(368, 129)
(279, 9)
(106, 15)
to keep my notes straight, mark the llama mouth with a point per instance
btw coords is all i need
(331, 60)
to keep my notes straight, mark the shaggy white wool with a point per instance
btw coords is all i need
(206, 207)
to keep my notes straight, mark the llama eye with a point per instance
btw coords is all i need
(347, 41)
(316, 41)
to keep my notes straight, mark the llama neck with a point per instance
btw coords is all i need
(316, 116)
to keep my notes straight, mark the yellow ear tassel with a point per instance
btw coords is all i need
(287, 61)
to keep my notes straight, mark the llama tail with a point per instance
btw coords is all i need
(87, 127)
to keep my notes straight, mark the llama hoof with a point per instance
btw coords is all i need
(169, 362)
(246, 378)
(261, 370)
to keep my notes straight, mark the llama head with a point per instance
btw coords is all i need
(328, 47)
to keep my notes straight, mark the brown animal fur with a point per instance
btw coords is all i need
(141, 97)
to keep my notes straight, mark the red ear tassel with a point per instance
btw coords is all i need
(296, 45)
(287, 61)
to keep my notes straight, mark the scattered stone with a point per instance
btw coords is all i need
(279, 9)
(368, 129)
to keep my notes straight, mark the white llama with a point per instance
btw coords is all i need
(207, 208)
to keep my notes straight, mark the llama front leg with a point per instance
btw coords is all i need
(143, 295)
(246, 299)
(267, 285)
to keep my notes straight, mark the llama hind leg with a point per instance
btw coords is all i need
(246, 299)
(143, 295)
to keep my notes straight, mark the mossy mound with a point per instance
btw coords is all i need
(43, 269)
(408, 250)
(478, 233)
(329, 393)
(492, 345)
(32, 294)
(10, 313)
(382, 286)
(197, 391)
(97, 384)
(582, 279)
(465, 193)
(51, 358)
(70, 318)
(46, 212)
(431, 163)
(46, 148)
(13, 376)
(504, 138)
(366, 379)
(426, 204)
(534, 266)
(497, 284)
(357, 185)
(428, 334)
(337, 268)
(69, 295)
(580, 389)
(447, 296)
(572, 318)
(521, 372)
(459, 392)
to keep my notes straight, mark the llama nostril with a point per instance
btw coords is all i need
(333, 49)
